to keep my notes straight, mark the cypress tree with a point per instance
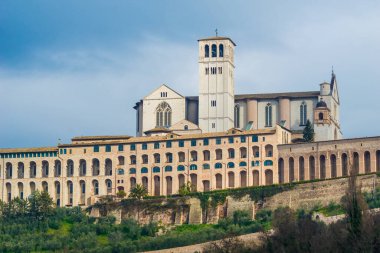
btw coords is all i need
(308, 132)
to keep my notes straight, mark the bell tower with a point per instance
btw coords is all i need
(216, 84)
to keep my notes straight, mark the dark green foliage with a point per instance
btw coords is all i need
(308, 132)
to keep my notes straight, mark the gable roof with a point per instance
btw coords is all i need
(159, 87)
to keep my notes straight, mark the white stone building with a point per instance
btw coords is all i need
(218, 108)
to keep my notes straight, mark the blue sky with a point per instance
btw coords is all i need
(70, 68)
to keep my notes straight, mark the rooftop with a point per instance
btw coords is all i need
(218, 38)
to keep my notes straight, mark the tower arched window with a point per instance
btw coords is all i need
(207, 51)
(163, 115)
(303, 113)
(221, 50)
(213, 50)
(320, 116)
(268, 115)
(237, 116)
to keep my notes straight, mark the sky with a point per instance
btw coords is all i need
(73, 68)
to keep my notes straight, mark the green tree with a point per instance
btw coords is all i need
(40, 205)
(138, 192)
(308, 132)
(121, 194)
(185, 189)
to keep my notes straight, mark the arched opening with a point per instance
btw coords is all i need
(281, 171)
(303, 114)
(181, 180)
(256, 178)
(256, 151)
(230, 165)
(45, 186)
(320, 116)
(243, 178)
(163, 115)
(82, 167)
(213, 50)
(144, 181)
(356, 163)
(121, 160)
(344, 165)
(82, 187)
(268, 115)
(268, 177)
(269, 150)
(108, 167)
(206, 185)
(193, 156)
(219, 181)
(378, 160)
(20, 170)
(231, 153)
(8, 186)
(169, 185)
(243, 152)
(367, 162)
(70, 168)
(109, 186)
(301, 162)
(45, 168)
(333, 166)
(95, 167)
(181, 157)
(194, 182)
(132, 159)
(132, 182)
(145, 159)
(322, 167)
(32, 186)
(231, 179)
(20, 187)
(95, 187)
(206, 155)
(291, 169)
(32, 169)
(157, 158)
(218, 154)
(57, 168)
(311, 168)
(157, 181)
(221, 50)
(8, 171)
(207, 51)
(57, 191)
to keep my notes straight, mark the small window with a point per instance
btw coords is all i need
(207, 71)
(156, 145)
(133, 146)
(206, 166)
(207, 51)
(205, 142)
(230, 139)
(213, 103)
(193, 167)
(242, 139)
(186, 127)
(181, 144)
(220, 70)
(144, 146)
(212, 125)
(255, 138)
(168, 144)
(121, 172)
(213, 50)
(156, 169)
(121, 147)
(218, 141)
(320, 116)
(108, 148)
(144, 170)
(168, 168)
(193, 143)
(181, 168)
(221, 50)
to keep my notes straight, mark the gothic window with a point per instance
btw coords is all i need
(163, 115)
(213, 50)
(207, 51)
(268, 115)
(237, 116)
(221, 50)
(303, 114)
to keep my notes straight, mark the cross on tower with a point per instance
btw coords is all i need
(216, 32)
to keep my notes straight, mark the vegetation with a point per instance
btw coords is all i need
(308, 132)
(138, 192)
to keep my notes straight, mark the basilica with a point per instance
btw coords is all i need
(213, 141)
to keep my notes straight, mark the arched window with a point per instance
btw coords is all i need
(207, 51)
(213, 50)
(320, 116)
(120, 171)
(206, 166)
(181, 168)
(242, 164)
(144, 170)
(303, 114)
(218, 166)
(132, 171)
(268, 115)
(221, 50)
(237, 116)
(268, 163)
(168, 168)
(193, 167)
(156, 169)
(163, 115)
(230, 165)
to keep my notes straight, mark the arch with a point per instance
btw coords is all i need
(237, 116)
(378, 160)
(8, 170)
(70, 168)
(231, 153)
(333, 166)
(20, 187)
(157, 184)
(32, 169)
(268, 163)
(82, 167)
(194, 181)
(356, 162)
(144, 170)
(132, 171)
(268, 177)
(45, 168)
(20, 170)
(163, 115)
(256, 151)
(157, 158)
(213, 50)
(268, 115)
(121, 172)
(243, 178)
(367, 162)
(301, 165)
(268, 150)
(218, 165)
(206, 185)
(230, 165)
(344, 165)
(181, 180)
(45, 186)
(82, 196)
(206, 155)
(256, 178)
(206, 166)
(193, 167)
(181, 157)
(243, 152)
(32, 186)
(218, 154)
(132, 182)
(168, 168)
(108, 186)
(95, 167)
(132, 159)
(207, 51)
(169, 185)
(231, 179)
(121, 160)
(219, 181)
(221, 50)
(311, 168)
(57, 190)
(181, 168)
(108, 167)
(303, 113)
(322, 167)
(8, 186)
(57, 168)
(144, 181)
(281, 172)
(291, 169)
(193, 156)
(95, 187)
(156, 170)
(242, 164)
(320, 116)
(169, 157)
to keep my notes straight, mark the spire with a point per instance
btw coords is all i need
(216, 32)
